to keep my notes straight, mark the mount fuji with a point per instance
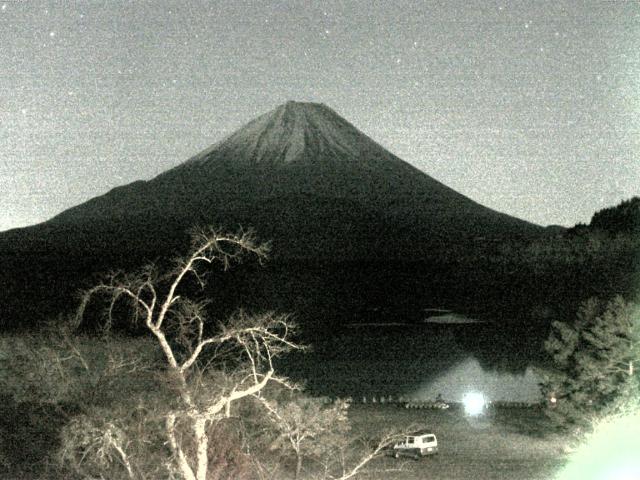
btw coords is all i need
(301, 175)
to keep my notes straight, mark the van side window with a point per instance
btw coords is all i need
(410, 440)
(430, 438)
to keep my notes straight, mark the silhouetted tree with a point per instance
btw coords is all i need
(622, 218)
(592, 360)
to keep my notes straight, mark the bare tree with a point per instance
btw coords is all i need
(192, 350)
(82, 390)
(350, 465)
(307, 427)
(322, 434)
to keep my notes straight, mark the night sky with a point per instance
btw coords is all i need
(530, 107)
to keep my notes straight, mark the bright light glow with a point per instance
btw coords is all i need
(610, 453)
(473, 403)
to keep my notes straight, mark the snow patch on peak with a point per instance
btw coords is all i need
(318, 129)
(292, 132)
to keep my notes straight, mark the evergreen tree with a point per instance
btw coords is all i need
(622, 218)
(592, 360)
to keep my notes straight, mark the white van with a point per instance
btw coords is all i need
(418, 444)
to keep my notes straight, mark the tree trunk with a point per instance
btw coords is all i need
(202, 443)
(176, 448)
(125, 460)
(298, 465)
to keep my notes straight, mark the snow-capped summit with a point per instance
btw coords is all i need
(307, 148)
(293, 132)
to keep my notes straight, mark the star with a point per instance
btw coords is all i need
(52, 34)
(4, 6)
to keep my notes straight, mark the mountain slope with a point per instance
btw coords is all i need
(301, 162)
(301, 175)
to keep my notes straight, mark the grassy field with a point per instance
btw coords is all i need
(506, 444)
(509, 444)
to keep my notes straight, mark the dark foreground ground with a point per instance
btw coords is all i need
(509, 444)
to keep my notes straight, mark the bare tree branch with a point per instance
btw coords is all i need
(178, 322)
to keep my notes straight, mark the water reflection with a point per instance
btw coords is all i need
(420, 359)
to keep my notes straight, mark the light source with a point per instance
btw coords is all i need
(474, 403)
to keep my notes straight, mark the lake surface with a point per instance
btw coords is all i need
(421, 361)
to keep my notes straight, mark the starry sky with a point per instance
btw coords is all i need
(529, 107)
